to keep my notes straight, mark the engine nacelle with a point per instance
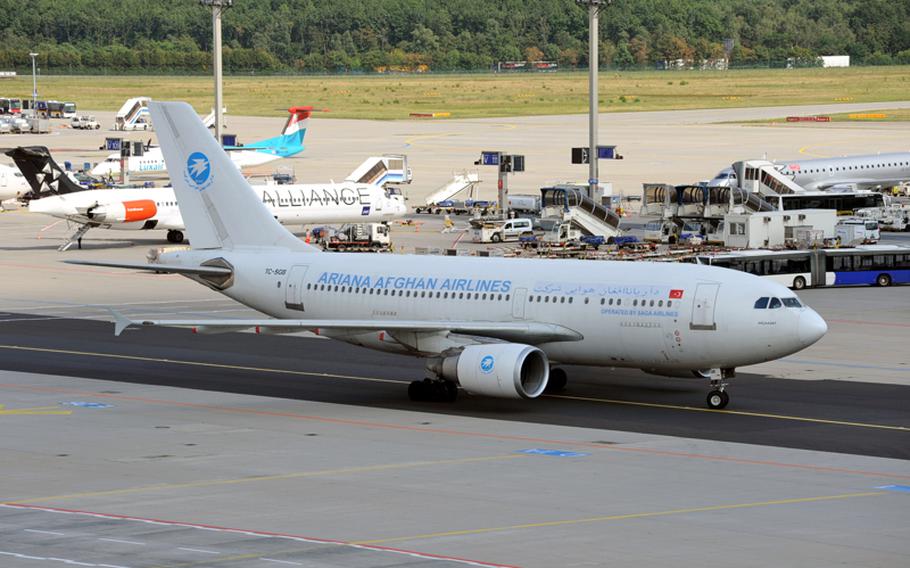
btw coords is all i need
(502, 370)
(124, 212)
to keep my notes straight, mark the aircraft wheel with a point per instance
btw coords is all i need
(449, 391)
(557, 381)
(175, 237)
(419, 391)
(718, 399)
(799, 283)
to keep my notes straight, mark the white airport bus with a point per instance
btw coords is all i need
(880, 265)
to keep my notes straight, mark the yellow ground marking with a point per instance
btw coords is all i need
(421, 137)
(260, 478)
(629, 516)
(733, 412)
(391, 381)
(199, 364)
(37, 410)
(805, 151)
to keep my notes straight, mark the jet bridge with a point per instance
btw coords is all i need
(571, 205)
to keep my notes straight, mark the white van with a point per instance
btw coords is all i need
(509, 230)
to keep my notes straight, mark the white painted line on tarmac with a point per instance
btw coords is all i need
(62, 560)
(281, 561)
(117, 540)
(199, 550)
(44, 532)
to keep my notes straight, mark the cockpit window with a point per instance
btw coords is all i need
(761, 303)
(792, 303)
(774, 304)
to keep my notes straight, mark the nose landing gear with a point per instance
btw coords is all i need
(718, 397)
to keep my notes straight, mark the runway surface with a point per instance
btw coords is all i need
(833, 416)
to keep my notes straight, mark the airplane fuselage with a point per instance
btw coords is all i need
(156, 208)
(665, 317)
(860, 172)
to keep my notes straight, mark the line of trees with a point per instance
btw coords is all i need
(442, 35)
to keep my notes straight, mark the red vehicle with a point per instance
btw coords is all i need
(10, 106)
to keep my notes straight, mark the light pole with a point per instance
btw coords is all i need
(217, 6)
(594, 8)
(34, 85)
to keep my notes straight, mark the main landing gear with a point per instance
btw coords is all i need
(433, 390)
(718, 397)
(557, 381)
(175, 236)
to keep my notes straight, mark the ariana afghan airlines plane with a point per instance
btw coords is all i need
(54, 193)
(288, 144)
(492, 326)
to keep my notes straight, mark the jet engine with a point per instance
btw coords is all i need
(124, 212)
(502, 370)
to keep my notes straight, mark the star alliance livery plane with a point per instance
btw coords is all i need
(492, 326)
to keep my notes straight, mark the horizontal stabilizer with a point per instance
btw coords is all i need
(163, 268)
(526, 332)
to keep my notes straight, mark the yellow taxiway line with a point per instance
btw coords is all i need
(606, 518)
(391, 381)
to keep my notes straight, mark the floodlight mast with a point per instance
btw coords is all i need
(218, 7)
(594, 8)
(33, 55)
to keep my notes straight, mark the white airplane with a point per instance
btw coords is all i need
(872, 171)
(12, 183)
(492, 326)
(55, 193)
(289, 143)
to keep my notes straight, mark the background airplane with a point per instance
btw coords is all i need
(492, 326)
(287, 144)
(872, 171)
(12, 183)
(55, 193)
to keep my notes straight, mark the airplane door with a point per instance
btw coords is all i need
(703, 306)
(293, 290)
(518, 303)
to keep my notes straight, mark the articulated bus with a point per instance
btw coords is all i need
(880, 265)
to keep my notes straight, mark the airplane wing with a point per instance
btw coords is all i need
(519, 331)
(165, 268)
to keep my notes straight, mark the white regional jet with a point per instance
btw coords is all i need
(872, 171)
(12, 183)
(54, 193)
(492, 326)
(287, 144)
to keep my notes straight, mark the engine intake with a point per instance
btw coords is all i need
(502, 370)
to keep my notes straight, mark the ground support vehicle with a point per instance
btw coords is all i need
(359, 237)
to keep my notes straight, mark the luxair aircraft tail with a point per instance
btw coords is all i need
(219, 209)
(290, 142)
(42, 173)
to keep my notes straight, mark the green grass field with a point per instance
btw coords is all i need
(485, 95)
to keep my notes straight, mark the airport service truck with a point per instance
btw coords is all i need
(359, 237)
(487, 231)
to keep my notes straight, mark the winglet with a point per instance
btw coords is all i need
(121, 322)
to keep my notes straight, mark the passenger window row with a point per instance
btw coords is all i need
(409, 293)
(765, 302)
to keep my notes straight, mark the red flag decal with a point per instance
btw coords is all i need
(676, 294)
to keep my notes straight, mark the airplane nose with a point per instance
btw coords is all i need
(811, 327)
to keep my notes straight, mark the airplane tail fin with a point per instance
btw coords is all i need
(42, 173)
(219, 208)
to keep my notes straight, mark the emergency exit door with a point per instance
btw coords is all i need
(293, 290)
(703, 306)
(518, 303)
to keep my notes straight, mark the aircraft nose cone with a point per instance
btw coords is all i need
(811, 327)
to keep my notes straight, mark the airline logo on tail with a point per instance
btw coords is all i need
(198, 171)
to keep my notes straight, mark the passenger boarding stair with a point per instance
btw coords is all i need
(381, 170)
(460, 182)
(573, 206)
(209, 120)
(765, 178)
